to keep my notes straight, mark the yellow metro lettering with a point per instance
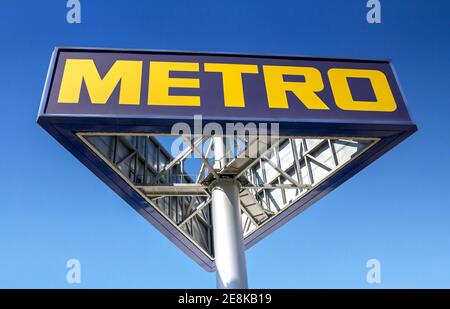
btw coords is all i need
(233, 91)
(276, 87)
(127, 72)
(385, 101)
(160, 82)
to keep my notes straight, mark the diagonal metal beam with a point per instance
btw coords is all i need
(202, 167)
(194, 148)
(196, 211)
(256, 160)
(297, 166)
(333, 152)
(126, 158)
(244, 210)
(181, 156)
(279, 170)
(321, 164)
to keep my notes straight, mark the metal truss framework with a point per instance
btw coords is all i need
(273, 174)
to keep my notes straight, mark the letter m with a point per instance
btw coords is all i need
(127, 72)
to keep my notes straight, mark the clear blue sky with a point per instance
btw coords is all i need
(397, 210)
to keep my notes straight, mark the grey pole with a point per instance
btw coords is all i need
(229, 251)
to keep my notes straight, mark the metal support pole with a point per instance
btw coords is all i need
(227, 229)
